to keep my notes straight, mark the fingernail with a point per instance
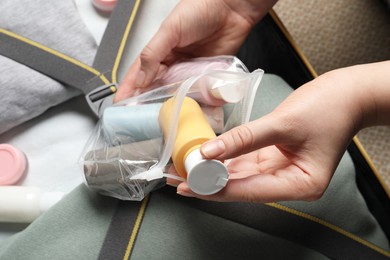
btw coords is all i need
(140, 79)
(185, 194)
(212, 149)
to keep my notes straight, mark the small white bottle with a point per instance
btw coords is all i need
(20, 204)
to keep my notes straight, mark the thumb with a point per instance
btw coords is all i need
(246, 138)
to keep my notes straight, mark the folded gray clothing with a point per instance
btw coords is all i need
(27, 93)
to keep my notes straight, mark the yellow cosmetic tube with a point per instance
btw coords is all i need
(204, 177)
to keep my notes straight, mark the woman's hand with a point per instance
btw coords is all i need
(194, 29)
(292, 153)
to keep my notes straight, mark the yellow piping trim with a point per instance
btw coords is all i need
(56, 53)
(331, 226)
(284, 30)
(137, 225)
(123, 42)
(371, 165)
(314, 74)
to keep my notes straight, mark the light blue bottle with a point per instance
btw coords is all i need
(127, 124)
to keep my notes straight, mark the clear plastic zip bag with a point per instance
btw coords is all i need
(135, 143)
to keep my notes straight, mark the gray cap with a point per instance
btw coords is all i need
(205, 177)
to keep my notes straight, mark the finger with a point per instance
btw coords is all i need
(170, 181)
(264, 188)
(155, 53)
(148, 65)
(268, 130)
(173, 182)
(127, 87)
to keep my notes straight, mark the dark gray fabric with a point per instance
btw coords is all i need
(113, 37)
(71, 73)
(25, 92)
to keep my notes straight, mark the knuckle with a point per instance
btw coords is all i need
(241, 138)
(250, 197)
(146, 55)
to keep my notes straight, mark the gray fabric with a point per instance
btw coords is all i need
(171, 230)
(56, 24)
(73, 229)
(113, 36)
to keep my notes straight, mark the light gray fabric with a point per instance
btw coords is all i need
(26, 93)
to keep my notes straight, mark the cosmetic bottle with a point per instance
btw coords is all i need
(217, 92)
(20, 204)
(104, 167)
(127, 124)
(204, 177)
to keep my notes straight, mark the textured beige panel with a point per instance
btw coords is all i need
(376, 141)
(334, 34)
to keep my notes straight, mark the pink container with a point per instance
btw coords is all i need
(104, 5)
(13, 164)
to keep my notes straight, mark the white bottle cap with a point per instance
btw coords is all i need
(205, 177)
(230, 92)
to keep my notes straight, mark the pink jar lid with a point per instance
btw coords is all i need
(104, 5)
(13, 164)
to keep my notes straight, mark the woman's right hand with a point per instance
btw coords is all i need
(292, 152)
